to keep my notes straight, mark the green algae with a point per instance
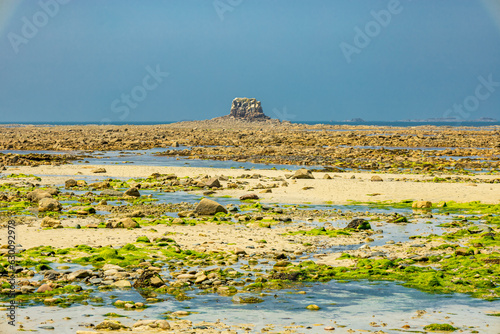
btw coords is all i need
(321, 231)
(440, 328)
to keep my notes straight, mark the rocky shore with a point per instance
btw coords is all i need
(95, 235)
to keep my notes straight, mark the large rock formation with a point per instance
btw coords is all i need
(247, 109)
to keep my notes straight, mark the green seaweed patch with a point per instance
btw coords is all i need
(475, 276)
(440, 328)
(321, 231)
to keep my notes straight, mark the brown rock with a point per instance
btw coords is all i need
(209, 207)
(134, 192)
(49, 204)
(249, 196)
(212, 183)
(38, 194)
(50, 222)
(99, 170)
(303, 174)
(70, 183)
(421, 205)
(122, 223)
(44, 288)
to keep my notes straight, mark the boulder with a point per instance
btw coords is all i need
(44, 288)
(421, 205)
(249, 196)
(49, 204)
(212, 183)
(70, 183)
(122, 284)
(303, 174)
(78, 274)
(376, 178)
(359, 224)
(133, 192)
(209, 207)
(38, 194)
(50, 222)
(122, 223)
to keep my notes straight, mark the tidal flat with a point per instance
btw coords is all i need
(255, 228)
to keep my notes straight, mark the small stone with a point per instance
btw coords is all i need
(313, 307)
(99, 170)
(248, 196)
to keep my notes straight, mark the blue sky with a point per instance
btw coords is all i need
(92, 60)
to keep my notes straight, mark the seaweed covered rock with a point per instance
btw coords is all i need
(359, 224)
(147, 279)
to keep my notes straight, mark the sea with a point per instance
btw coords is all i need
(366, 123)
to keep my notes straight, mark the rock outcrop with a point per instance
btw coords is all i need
(247, 109)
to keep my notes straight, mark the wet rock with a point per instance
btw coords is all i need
(122, 223)
(79, 274)
(111, 193)
(49, 204)
(209, 207)
(50, 222)
(359, 224)
(70, 183)
(476, 229)
(149, 278)
(110, 325)
(421, 205)
(133, 192)
(99, 170)
(122, 284)
(312, 307)
(303, 174)
(249, 196)
(27, 289)
(44, 288)
(246, 300)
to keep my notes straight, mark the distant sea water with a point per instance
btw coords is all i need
(367, 123)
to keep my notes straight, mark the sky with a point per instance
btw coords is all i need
(316, 60)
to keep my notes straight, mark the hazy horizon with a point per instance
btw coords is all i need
(165, 61)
